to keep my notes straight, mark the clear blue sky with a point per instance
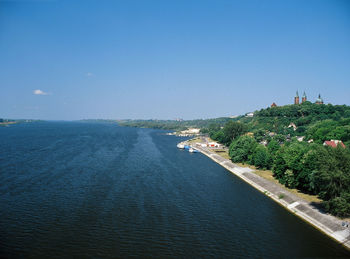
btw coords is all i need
(169, 58)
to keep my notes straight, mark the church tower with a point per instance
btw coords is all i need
(304, 98)
(296, 98)
(319, 100)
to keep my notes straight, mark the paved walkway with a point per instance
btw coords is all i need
(328, 224)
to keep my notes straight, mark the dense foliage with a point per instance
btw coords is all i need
(227, 133)
(309, 167)
(312, 168)
(317, 122)
(330, 129)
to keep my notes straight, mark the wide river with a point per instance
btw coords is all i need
(96, 190)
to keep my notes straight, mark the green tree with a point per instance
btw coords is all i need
(279, 138)
(289, 158)
(293, 155)
(242, 149)
(232, 130)
(311, 163)
(273, 147)
(279, 166)
(289, 179)
(218, 136)
(333, 173)
(339, 206)
(262, 158)
(259, 135)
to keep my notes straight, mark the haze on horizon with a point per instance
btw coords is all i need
(67, 60)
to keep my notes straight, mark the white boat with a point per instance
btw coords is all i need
(192, 150)
(180, 145)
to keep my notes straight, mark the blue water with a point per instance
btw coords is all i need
(96, 190)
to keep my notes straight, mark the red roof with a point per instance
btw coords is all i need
(333, 143)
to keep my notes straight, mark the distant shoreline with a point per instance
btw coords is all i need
(326, 223)
(5, 124)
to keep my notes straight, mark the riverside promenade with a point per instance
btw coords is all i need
(328, 224)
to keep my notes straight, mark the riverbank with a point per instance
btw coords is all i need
(5, 124)
(307, 211)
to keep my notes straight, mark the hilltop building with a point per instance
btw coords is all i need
(273, 105)
(296, 98)
(303, 98)
(319, 100)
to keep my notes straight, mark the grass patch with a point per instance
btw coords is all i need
(221, 152)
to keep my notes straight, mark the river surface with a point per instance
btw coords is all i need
(96, 190)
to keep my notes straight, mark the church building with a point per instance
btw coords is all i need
(304, 98)
(319, 100)
(296, 98)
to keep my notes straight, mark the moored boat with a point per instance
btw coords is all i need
(180, 145)
(192, 150)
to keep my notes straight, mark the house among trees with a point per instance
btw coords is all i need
(300, 138)
(333, 143)
(273, 105)
(292, 125)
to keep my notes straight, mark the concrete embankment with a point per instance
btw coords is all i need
(328, 224)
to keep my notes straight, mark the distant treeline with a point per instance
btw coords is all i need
(174, 124)
(268, 141)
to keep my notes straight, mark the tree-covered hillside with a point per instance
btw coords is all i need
(289, 141)
(319, 122)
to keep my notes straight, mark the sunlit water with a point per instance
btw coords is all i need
(98, 190)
